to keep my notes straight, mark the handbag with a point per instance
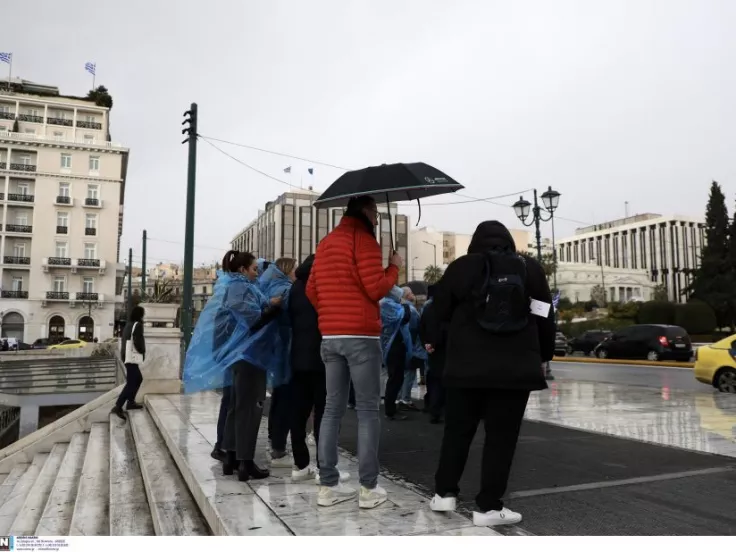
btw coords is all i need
(132, 356)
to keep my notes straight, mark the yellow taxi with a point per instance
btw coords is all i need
(715, 364)
(70, 344)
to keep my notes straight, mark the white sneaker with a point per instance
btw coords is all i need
(370, 498)
(446, 504)
(283, 462)
(496, 517)
(329, 496)
(306, 474)
(344, 477)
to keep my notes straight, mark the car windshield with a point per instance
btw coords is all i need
(674, 332)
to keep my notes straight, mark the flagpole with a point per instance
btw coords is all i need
(93, 78)
(10, 70)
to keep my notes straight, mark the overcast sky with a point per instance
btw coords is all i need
(607, 102)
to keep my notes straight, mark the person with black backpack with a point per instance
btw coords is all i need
(497, 304)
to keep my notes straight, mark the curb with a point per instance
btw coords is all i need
(592, 360)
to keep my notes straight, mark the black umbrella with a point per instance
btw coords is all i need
(395, 182)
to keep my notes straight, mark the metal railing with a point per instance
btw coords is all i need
(93, 263)
(89, 124)
(66, 200)
(13, 294)
(24, 137)
(92, 202)
(22, 228)
(60, 295)
(59, 121)
(60, 261)
(30, 118)
(90, 231)
(11, 259)
(7, 115)
(26, 198)
(22, 167)
(62, 229)
(87, 296)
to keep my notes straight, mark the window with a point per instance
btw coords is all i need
(25, 159)
(94, 162)
(93, 191)
(19, 250)
(17, 283)
(4, 109)
(90, 221)
(61, 249)
(66, 161)
(89, 139)
(305, 232)
(22, 188)
(21, 219)
(63, 189)
(59, 284)
(321, 224)
(60, 114)
(88, 285)
(89, 118)
(34, 112)
(62, 220)
(204, 290)
(90, 251)
(287, 234)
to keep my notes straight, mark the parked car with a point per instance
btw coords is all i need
(13, 344)
(560, 344)
(70, 344)
(715, 364)
(46, 342)
(586, 342)
(647, 341)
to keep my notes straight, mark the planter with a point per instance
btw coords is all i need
(161, 313)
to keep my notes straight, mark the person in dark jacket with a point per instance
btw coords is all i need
(488, 376)
(307, 388)
(133, 345)
(435, 400)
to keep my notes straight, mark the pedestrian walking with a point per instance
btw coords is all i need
(133, 353)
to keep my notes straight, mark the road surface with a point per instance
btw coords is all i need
(646, 376)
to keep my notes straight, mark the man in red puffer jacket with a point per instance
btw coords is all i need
(346, 284)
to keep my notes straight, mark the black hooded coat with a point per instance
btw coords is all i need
(476, 358)
(305, 337)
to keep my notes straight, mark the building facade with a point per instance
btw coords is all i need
(290, 226)
(576, 281)
(62, 184)
(667, 248)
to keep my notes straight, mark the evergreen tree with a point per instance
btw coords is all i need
(712, 283)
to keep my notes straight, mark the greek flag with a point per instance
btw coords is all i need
(310, 171)
(555, 300)
(90, 67)
(287, 170)
(7, 57)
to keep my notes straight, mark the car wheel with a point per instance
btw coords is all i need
(726, 380)
(602, 353)
(653, 356)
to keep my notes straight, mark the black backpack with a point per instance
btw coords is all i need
(502, 303)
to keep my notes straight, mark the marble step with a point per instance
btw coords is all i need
(92, 506)
(27, 519)
(229, 506)
(129, 510)
(17, 497)
(56, 518)
(173, 509)
(10, 480)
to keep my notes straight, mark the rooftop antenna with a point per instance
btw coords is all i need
(626, 209)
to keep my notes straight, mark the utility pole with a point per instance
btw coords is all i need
(143, 267)
(130, 283)
(186, 308)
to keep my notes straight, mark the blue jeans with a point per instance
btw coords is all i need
(357, 359)
(410, 378)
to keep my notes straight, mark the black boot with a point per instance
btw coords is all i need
(134, 406)
(119, 413)
(218, 454)
(228, 465)
(254, 471)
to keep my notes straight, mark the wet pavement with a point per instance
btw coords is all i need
(640, 376)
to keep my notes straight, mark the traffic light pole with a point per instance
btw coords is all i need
(186, 307)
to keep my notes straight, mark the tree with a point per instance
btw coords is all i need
(656, 312)
(659, 293)
(713, 280)
(696, 317)
(432, 274)
(598, 295)
(101, 97)
(548, 262)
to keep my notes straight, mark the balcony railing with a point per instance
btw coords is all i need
(30, 118)
(59, 295)
(25, 137)
(90, 231)
(7, 115)
(64, 200)
(2, 196)
(60, 261)
(92, 202)
(87, 296)
(90, 263)
(3, 165)
(22, 228)
(62, 229)
(25, 198)
(89, 124)
(11, 259)
(13, 294)
(22, 167)
(58, 121)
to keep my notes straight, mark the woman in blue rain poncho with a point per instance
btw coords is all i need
(227, 349)
(396, 346)
(276, 281)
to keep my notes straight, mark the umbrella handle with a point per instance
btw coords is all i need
(390, 225)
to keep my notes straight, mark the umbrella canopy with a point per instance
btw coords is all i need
(417, 287)
(388, 183)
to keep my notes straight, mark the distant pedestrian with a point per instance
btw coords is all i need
(496, 347)
(133, 353)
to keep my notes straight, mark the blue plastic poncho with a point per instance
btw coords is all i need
(222, 335)
(392, 313)
(261, 264)
(418, 350)
(274, 283)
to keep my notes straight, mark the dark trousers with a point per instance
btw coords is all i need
(308, 392)
(435, 389)
(393, 384)
(222, 417)
(502, 411)
(133, 380)
(247, 394)
(279, 417)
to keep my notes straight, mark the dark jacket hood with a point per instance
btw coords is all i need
(491, 234)
(303, 270)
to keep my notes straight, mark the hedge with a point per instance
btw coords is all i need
(657, 312)
(696, 317)
(578, 328)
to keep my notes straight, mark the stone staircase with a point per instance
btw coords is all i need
(153, 475)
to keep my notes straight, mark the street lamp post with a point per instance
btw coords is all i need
(434, 245)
